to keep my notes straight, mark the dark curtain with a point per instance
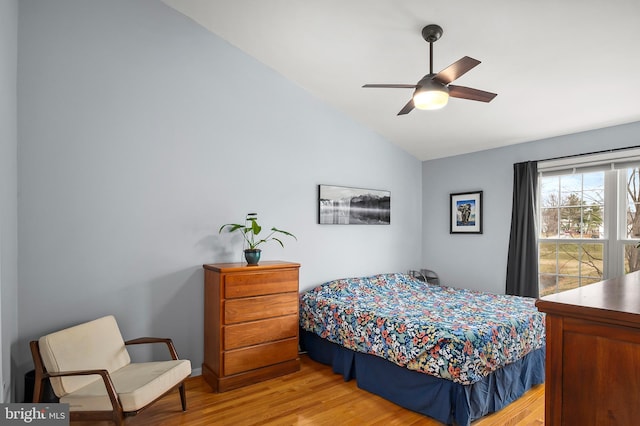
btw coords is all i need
(522, 263)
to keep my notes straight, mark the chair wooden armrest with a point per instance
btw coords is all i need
(145, 340)
(106, 378)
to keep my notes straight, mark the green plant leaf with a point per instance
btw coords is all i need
(274, 229)
(233, 227)
(255, 227)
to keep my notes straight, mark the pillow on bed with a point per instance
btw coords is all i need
(380, 280)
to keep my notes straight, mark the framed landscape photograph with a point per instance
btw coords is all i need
(465, 213)
(341, 205)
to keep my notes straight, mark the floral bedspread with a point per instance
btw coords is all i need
(456, 334)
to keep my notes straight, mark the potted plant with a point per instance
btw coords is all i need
(251, 234)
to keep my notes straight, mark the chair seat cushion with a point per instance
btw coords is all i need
(138, 384)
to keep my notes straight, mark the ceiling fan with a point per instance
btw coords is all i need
(433, 90)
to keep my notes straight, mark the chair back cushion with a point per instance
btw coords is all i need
(96, 344)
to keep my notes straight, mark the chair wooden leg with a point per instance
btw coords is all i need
(37, 390)
(183, 397)
(38, 372)
(118, 419)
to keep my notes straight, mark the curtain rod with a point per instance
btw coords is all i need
(589, 153)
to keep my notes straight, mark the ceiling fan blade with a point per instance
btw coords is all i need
(407, 108)
(472, 94)
(456, 69)
(392, 86)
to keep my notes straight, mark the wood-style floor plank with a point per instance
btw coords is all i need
(312, 396)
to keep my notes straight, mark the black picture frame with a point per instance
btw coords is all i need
(344, 205)
(465, 213)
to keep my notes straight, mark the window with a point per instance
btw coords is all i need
(571, 245)
(588, 221)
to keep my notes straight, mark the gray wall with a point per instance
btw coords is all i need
(140, 133)
(480, 261)
(8, 190)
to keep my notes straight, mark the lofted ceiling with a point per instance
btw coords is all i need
(558, 67)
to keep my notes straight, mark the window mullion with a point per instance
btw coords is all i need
(612, 249)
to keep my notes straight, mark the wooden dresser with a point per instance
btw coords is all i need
(250, 323)
(593, 354)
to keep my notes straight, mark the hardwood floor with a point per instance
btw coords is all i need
(312, 396)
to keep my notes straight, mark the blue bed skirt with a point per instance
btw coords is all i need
(444, 400)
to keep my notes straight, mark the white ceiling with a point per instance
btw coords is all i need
(558, 67)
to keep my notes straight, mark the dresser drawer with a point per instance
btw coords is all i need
(262, 331)
(245, 359)
(261, 307)
(256, 284)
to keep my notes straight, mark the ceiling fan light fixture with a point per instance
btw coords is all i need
(431, 97)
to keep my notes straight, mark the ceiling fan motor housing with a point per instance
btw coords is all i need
(428, 83)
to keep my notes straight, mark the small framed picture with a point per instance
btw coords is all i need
(465, 213)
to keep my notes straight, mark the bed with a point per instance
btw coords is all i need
(452, 354)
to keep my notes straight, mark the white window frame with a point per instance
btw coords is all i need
(615, 165)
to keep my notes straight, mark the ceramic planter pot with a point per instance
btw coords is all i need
(252, 256)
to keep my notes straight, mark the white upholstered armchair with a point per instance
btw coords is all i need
(90, 369)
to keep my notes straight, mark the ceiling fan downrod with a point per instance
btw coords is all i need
(431, 33)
